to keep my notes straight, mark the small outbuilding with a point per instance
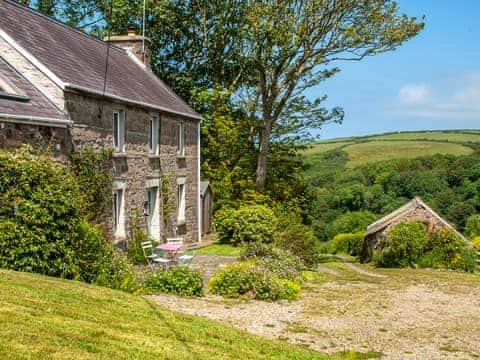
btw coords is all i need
(414, 210)
(206, 196)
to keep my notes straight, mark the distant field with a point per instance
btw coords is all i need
(323, 147)
(436, 136)
(365, 149)
(374, 151)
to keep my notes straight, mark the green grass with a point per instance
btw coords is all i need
(221, 250)
(48, 318)
(374, 151)
(322, 147)
(460, 137)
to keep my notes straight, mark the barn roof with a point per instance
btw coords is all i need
(76, 60)
(416, 202)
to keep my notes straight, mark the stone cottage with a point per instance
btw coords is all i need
(69, 91)
(414, 210)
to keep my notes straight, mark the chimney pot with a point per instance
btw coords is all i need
(131, 31)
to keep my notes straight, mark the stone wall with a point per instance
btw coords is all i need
(54, 140)
(136, 166)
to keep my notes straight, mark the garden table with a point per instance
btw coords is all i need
(171, 249)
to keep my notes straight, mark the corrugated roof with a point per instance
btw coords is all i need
(31, 103)
(79, 59)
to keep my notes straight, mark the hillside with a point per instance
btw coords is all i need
(46, 318)
(360, 179)
(365, 149)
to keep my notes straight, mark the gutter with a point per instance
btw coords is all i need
(35, 120)
(130, 101)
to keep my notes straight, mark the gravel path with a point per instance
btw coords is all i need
(409, 314)
(355, 268)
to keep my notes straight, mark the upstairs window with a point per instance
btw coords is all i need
(118, 131)
(180, 139)
(153, 127)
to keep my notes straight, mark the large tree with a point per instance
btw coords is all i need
(265, 53)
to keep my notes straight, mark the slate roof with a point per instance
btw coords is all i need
(30, 102)
(78, 60)
(403, 210)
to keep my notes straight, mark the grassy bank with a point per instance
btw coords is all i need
(48, 318)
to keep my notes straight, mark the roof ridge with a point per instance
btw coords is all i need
(58, 22)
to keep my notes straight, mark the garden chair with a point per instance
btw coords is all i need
(152, 257)
(186, 258)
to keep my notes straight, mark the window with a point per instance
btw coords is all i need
(118, 214)
(153, 220)
(118, 131)
(180, 139)
(181, 199)
(153, 135)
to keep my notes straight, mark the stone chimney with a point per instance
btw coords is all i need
(137, 45)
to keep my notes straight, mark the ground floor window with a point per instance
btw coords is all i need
(153, 213)
(181, 199)
(118, 213)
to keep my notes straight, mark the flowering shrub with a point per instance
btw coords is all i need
(250, 279)
(177, 280)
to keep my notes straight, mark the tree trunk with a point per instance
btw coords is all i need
(262, 159)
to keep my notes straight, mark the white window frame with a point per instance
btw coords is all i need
(181, 200)
(153, 221)
(118, 129)
(153, 134)
(180, 139)
(119, 213)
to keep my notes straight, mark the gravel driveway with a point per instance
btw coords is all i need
(406, 314)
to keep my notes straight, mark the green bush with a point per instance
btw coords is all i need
(404, 245)
(347, 243)
(279, 262)
(177, 280)
(116, 272)
(134, 243)
(40, 214)
(472, 228)
(445, 249)
(250, 223)
(250, 279)
(43, 227)
(299, 240)
(351, 222)
(476, 243)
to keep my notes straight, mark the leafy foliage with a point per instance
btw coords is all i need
(43, 229)
(278, 261)
(134, 243)
(250, 279)
(249, 223)
(176, 280)
(347, 243)
(299, 239)
(446, 249)
(404, 245)
(472, 228)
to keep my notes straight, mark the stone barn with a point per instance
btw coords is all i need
(414, 210)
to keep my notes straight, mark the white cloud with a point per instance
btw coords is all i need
(446, 98)
(413, 94)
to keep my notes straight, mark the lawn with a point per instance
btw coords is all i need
(374, 151)
(48, 318)
(221, 250)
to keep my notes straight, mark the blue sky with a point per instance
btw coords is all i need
(431, 82)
